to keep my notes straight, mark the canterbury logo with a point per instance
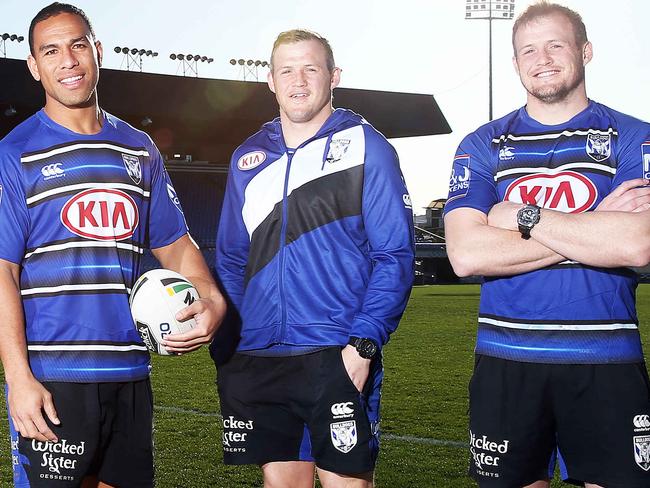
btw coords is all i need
(342, 409)
(641, 421)
(52, 169)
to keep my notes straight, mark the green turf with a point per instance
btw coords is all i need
(428, 364)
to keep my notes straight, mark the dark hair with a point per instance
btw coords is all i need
(298, 35)
(544, 9)
(53, 10)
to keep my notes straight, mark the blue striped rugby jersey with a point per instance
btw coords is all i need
(76, 212)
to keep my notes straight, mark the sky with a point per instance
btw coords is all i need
(413, 46)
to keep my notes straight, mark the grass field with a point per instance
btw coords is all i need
(428, 364)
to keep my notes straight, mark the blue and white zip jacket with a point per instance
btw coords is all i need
(316, 244)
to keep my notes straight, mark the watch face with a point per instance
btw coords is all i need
(366, 348)
(528, 216)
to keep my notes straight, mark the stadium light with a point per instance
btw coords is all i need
(490, 10)
(146, 121)
(133, 56)
(10, 112)
(249, 68)
(8, 37)
(189, 63)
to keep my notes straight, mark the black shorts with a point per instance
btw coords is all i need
(299, 408)
(594, 418)
(105, 430)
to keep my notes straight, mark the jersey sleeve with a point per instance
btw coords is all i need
(388, 220)
(233, 242)
(14, 218)
(633, 153)
(166, 220)
(471, 183)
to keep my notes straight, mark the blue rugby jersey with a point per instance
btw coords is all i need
(567, 313)
(76, 212)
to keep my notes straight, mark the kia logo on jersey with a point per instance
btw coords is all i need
(566, 191)
(251, 160)
(101, 214)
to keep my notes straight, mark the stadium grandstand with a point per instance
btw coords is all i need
(197, 123)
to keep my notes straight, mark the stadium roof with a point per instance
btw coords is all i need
(209, 118)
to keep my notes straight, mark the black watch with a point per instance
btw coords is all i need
(527, 217)
(364, 346)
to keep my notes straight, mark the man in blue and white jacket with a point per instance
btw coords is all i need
(315, 251)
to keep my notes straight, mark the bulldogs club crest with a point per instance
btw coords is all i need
(344, 435)
(338, 148)
(133, 168)
(599, 146)
(642, 451)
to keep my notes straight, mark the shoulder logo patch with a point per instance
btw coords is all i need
(133, 168)
(599, 146)
(645, 150)
(460, 177)
(337, 149)
(251, 160)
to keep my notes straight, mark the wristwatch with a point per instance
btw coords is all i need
(364, 346)
(527, 217)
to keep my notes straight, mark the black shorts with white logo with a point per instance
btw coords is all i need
(299, 408)
(105, 431)
(593, 420)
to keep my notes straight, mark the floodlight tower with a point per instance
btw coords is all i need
(490, 10)
(133, 56)
(248, 68)
(190, 62)
(8, 37)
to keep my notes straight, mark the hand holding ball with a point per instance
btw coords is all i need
(155, 299)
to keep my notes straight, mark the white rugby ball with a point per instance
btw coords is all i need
(155, 299)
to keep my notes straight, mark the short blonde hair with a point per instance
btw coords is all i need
(298, 35)
(544, 9)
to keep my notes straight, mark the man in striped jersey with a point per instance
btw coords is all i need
(550, 204)
(82, 194)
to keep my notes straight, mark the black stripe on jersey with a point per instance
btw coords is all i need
(511, 320)
(265, 242)
(77, 239)
(132, 192)
(590, 170)
(79, 141)
(74, 292)
(84, 343)
(568, 132)
(324, 200)
(81, 266)
(625, 272)
(314, 204)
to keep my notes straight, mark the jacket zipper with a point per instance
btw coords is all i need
(283, 241)
(283, 229)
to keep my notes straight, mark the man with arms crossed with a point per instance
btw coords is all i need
(315, 250)
(82, 194)
(548, 205)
